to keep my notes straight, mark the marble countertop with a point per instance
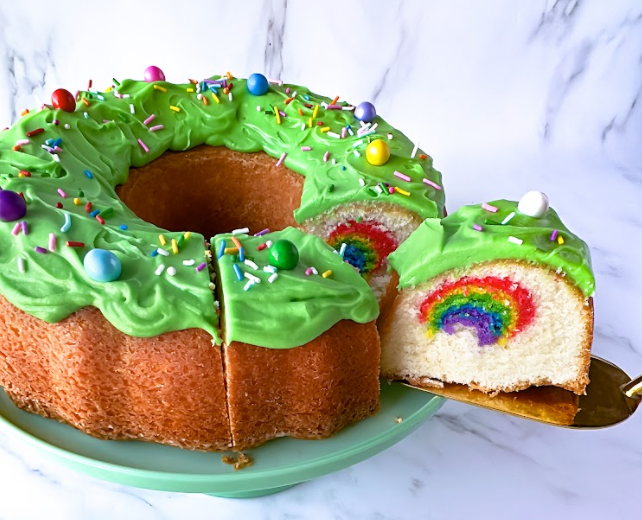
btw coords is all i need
(507, 97)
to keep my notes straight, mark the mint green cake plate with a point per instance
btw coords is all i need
(278, 464)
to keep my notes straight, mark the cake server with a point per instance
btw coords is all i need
(611, 397)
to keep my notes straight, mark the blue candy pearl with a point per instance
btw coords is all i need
(257, 84)
(365, 111)
(102, 265)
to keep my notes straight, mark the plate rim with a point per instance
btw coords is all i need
(155, 478)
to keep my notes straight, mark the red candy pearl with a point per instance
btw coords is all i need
(64, 100)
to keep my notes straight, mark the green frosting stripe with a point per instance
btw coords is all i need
(295, 308)
(104, 139)
(440, 245)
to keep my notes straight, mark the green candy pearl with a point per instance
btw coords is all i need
(284, 255)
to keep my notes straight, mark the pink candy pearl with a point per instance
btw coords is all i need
(153, 73)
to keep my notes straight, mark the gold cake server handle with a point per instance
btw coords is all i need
(611, 397)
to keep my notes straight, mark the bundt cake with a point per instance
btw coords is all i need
(114, 318)
(496, 296)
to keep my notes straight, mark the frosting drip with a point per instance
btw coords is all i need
(474, 235)
(295, 307)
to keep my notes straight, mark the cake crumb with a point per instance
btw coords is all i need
(243, 461)
(399, 420)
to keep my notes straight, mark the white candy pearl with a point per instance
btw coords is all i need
(533, 204)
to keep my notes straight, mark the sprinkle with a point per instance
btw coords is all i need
(171, 270)
(149, 119)
(423, 156)
(362, 182)
(315, 112)
(52, 242)
(560, 240)
(237, 271)
(278, 116)
(261, 247)
(88, 174)
(254, 279)
(334, 134)
(236, 242)
(248, 285)
(268, 243)
(189, 262)
(70, 243)
(40, 250)
(100, 219)
(22, 142)
(508, 218)
(258, 108)
(262, 232)
(16, 229)
(356, 153)
(310, 122)
(402, 176)
(270, 269)
(35, 132)
(477, 227)
(251, 264)
(162, 240)
(488, 207)
(221, 249)
(201, 267)
(326, 274)
(342, 250)
(344, 130)
(94, 213)
(187, 235)
(143, 145)
(281, 159)
(159, 270)
(326, 156)
(107, 212)
(305, 148)
(123, 227)
(215, 97)
(174, 108)
(516, 240)
(308, 271)
(273, 277)
(174, 246)
(62, 193)
(357, 143)
(25, 227)
(156, 128)
(132, 108)
(433, 184)
(241, 231)
(402, 192)
(231, 250)
(88, 207)
(21, 264)
(158, 87)
(154, 253)
(67, 223)
(554, 235)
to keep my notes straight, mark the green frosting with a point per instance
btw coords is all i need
(98, 144)
(295, 308)
(439, 245)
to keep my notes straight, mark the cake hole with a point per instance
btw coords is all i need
(211, 190)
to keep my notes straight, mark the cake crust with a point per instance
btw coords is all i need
(307, 392)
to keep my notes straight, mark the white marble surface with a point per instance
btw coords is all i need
(507, 96)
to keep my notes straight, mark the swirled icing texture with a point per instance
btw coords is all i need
(295, 308)
(102, 138)
(440, 245)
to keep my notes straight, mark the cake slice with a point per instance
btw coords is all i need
(496, 296)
